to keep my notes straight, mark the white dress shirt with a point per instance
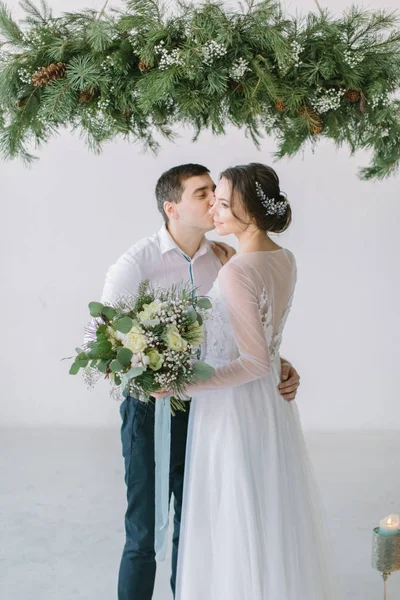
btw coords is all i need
(160, 260)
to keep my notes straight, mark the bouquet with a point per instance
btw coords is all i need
(146, 343)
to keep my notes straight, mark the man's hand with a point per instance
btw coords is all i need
(223, 251)
(290, 381)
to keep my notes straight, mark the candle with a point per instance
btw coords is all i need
(390, 525)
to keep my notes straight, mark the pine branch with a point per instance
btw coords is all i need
(147, 9)
(379, 21)
(100, 36)
(102, 11)
(58, 101)
(9, 29)
(83, 73)
(35, 15)
(137, 72)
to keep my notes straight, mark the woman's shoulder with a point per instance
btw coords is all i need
(262, 257)
(249, 263)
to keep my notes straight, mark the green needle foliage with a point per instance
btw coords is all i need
(142, 71)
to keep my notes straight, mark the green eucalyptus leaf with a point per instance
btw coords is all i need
(109, 312)
(204, 302)
(134, 372)
(116, 366)
(190, 314)
(124, 356)
(102, 366)
(202, 370)
(124, 325)
(95, 308)
(82, 363)
(74, 369)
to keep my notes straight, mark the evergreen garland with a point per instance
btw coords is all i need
(139, 72)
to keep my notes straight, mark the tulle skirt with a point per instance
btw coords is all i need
(252, 525)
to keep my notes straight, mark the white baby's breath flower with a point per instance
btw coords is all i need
(239, 68)
(212, 51)
(168, 58)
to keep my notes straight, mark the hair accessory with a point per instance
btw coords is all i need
(271, 205)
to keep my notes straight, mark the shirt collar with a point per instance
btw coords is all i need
(167, 243)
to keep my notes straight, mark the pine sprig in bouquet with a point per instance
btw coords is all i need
(148, 342)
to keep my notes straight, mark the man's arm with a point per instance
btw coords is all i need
(122, 279)
(290, 380)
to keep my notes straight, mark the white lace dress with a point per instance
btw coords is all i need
(251, 525)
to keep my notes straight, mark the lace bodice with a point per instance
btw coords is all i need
(251, 301)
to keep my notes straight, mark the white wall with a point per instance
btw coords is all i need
(65, 220)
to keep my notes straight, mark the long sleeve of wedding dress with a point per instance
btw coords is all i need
(241, 301)
(252, 527)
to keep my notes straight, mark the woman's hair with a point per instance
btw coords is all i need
(260, 194)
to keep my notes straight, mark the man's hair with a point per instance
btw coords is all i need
(169, 187)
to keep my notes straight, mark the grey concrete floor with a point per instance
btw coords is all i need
(62, 501)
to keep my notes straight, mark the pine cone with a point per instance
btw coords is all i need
(144, 66)
(317, 128)
(22, 101)
(315, 123)
(88, 95)
(236, 87)
(280, 105)
(126, 114)
(48, 74)
(352, 96)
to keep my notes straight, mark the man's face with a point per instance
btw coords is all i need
(196, 200)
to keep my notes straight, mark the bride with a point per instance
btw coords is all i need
(251, 525)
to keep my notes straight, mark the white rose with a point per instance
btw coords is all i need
(155, 359)
(149, 310)
(174, 339)
(135, 340)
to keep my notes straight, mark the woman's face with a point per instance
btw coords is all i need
(225, 221)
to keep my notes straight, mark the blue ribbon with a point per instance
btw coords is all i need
(162, 453)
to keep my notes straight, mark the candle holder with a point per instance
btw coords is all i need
(385, 555)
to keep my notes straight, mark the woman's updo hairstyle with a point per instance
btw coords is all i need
(258, 187)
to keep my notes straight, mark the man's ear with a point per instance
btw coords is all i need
(170, 210)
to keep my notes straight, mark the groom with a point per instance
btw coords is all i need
(179, 251)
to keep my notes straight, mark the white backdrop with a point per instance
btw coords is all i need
(65, 220)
